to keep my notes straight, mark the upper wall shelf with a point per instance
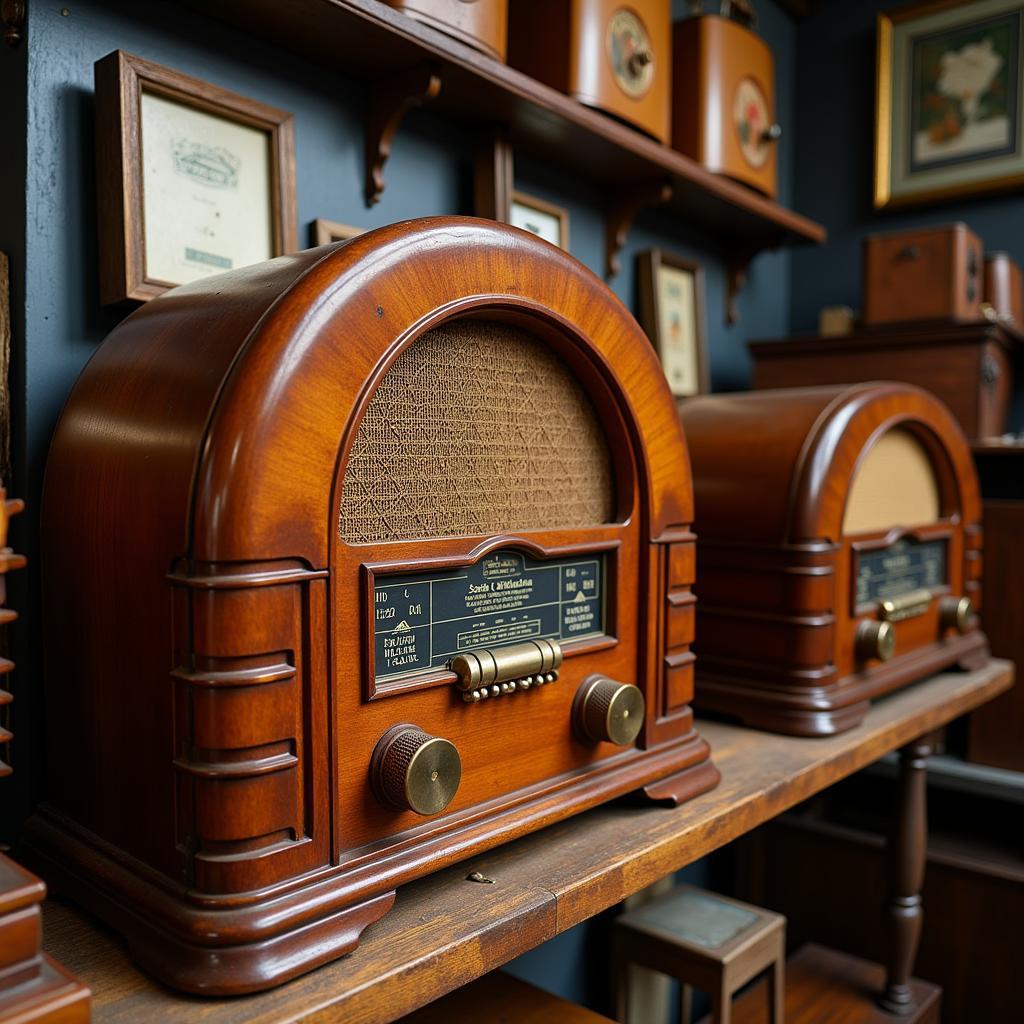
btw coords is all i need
(371, 40)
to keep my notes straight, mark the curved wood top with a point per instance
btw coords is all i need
(775, 466)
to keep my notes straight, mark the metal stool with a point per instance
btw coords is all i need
(705, 941)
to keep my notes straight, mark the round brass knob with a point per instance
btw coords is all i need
(955, 613)
(606, 711)
(876, 640)
(415, 771)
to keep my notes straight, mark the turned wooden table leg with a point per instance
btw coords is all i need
(906, 860)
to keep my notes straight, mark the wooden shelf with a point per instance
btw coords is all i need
(445, 930)
(371, 40)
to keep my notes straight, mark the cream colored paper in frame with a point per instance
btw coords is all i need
(677, 329)
(206, 192)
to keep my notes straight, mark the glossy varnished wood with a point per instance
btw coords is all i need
(781, 573)
(369, 38)
(446, 931)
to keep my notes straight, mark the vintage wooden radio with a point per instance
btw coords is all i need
(928, 273)
(482, 24)
(609, 55)
(1003, 294)
(723, 99)
(839, 550)
(357, 562)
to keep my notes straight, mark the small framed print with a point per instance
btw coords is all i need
(672, 314)
(950, 103)
(540, 218)
(327, 231)
(192, 179)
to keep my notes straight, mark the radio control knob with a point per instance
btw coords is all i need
(415, 771)
(606, 711)
(955, 613)
(875, 640)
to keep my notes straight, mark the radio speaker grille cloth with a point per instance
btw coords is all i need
(477, 428)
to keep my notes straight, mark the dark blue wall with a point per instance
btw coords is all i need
(51, 237)
(835, 88)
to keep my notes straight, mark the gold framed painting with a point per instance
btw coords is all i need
(192, 179)
(671, 291)
(949, 113)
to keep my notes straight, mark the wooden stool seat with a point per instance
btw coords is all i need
(705, 941)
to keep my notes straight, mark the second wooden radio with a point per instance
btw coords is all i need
(839, 548)
(607, 54)
(357, 563)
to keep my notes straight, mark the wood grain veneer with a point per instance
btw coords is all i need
(211, 629)
(773, 472)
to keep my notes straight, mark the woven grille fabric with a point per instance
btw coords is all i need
(477, 428)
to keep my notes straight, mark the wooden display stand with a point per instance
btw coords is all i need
(968, 365)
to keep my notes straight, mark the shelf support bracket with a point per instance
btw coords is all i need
(390, 100)
(906, 854)
(735, 279)
(629, 201)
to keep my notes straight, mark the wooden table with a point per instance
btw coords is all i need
(445, 930)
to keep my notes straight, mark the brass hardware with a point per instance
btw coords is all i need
(475, 876)
(955, 613)
(772, 133)
(875, 640)
(415, 771)
(606, 711)
(906, 606)
(492, 672)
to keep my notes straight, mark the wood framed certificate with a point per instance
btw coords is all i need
(192, 179)
(672, 313)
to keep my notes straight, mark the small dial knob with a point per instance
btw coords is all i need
(415, 771)
(955, 613)
(606, 711)
(875, 640)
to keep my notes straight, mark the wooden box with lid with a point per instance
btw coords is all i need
(928, 273)
(614, 57)
(357, 563)
(482, 24)
(857, 568)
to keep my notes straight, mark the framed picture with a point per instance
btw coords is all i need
(949, 101)
(327, 231)
(192, 179)
(672, 314)
(541, 218)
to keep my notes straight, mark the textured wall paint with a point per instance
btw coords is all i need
(52, 240)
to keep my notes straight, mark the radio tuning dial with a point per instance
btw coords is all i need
(606, 711)
(415, 771)
(955, 613)
(876, 640)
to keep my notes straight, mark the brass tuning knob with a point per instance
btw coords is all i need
(415, 771)
(875, 640)
(955, 613)
(606, 711)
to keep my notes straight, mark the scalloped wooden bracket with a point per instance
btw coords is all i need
(629, 201)
(735, 278)
(391, 99)
(494, 177)
(12, 13)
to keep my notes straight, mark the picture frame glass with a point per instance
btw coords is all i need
(538, 222)
(678, 342)
(207, 191)
(955, 117)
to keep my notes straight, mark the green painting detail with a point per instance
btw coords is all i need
(964, 93)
